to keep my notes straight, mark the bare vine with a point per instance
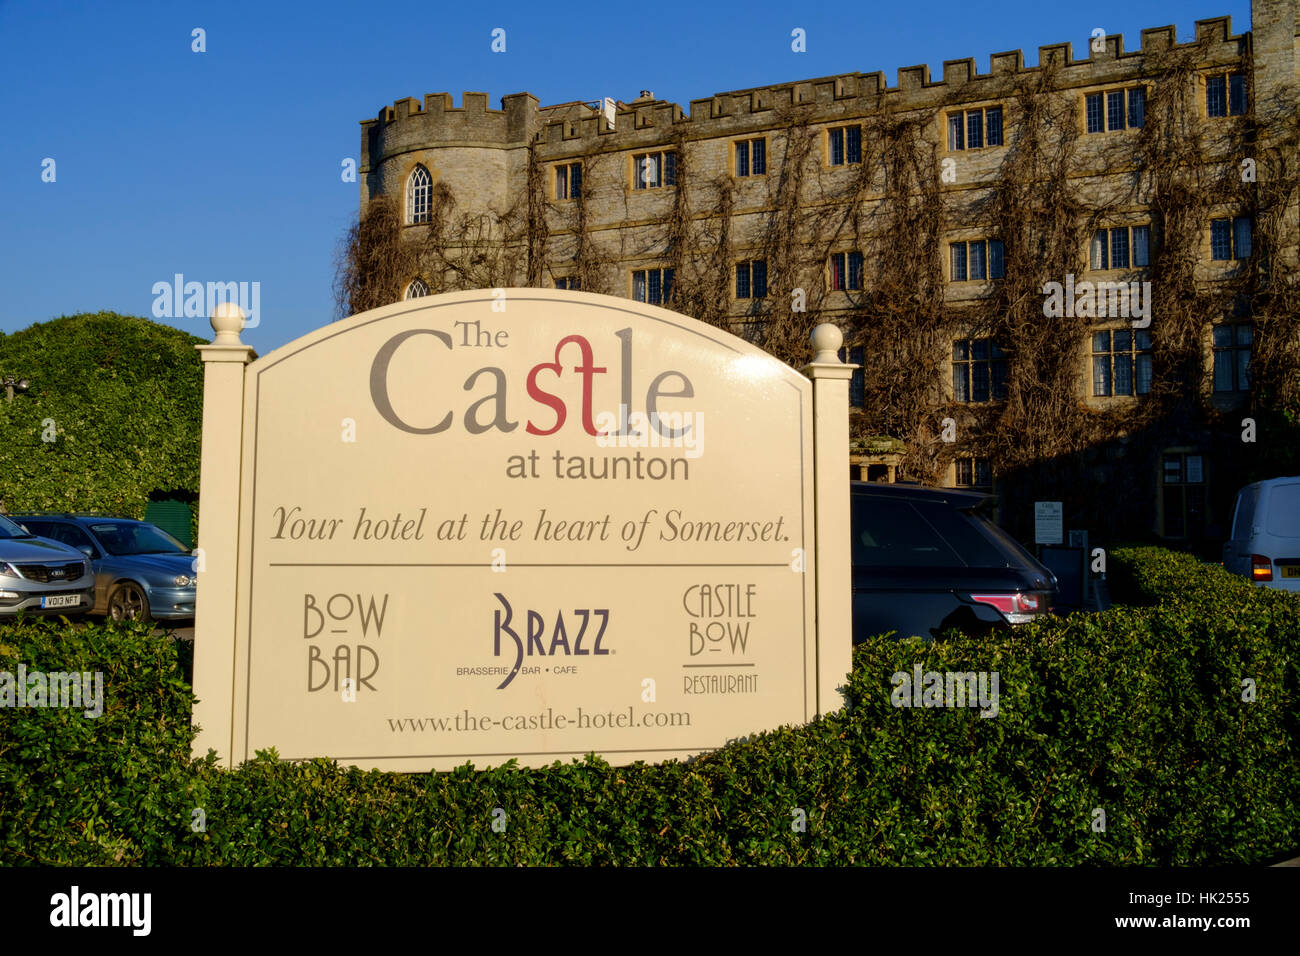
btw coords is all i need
(1178, 168)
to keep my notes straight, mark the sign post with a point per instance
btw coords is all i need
(224, 362)
(830, 378)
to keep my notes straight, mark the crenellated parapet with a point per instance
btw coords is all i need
(450, 137)
(408, 124)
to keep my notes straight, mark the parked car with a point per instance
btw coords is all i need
(1265, 541)
(929, 559)
(39, 576)
(141, 572)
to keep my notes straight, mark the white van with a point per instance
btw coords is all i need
(1265, 542)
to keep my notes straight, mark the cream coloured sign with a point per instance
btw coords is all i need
(534, 525)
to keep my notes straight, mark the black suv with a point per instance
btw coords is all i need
(929, 559)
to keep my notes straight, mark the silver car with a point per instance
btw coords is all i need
(141, 572)
(38, 576)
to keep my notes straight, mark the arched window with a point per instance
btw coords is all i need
(419, 195)
(417, 289)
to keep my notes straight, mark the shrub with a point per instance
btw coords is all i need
(1137, 712)
(122, 399)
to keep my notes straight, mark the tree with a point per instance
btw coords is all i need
(113, 413)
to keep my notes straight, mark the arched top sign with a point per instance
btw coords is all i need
(497, 304)
(518, 523)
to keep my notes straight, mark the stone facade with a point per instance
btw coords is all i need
(501, 171)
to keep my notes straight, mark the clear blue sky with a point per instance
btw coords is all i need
(224, 165)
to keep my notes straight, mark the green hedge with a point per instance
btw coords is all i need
(122, 400)
(1137, 711)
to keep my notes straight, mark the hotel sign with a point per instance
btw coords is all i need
(533, 524)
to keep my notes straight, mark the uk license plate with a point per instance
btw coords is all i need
(61, 600)
(1291, 570)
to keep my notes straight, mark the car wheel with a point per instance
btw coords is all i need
(128, 602)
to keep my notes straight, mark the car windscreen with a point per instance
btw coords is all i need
(9, 529)
(1284, 511)
(917, 533)
(123, 538)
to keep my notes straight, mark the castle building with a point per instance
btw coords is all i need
(1073, 281)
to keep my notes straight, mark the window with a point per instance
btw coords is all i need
(1121, 247)
(1216, 96)
(1141, 242)
(845, 145)
(419, 196)
(751, 157)
(568, 181)
(1137, 107)
(1096, 119)
(975, 129)
(1230, 238)
(979, 260)
(858, 383)
(1225, 94)
(1119, 257)
(1121, 362)
(68, 534)
(846, 271)
(1232, 357)
(568, 282)
(1115, 110)
(653, 170)
(891, 533)
(751, 279)
(1236, 94)
(416, 290)
(957, 255)
(1241, 524)
(974, 473)
(993, 125)
(1182, 494)
(979, 371)
(654, 286)
(997, 259)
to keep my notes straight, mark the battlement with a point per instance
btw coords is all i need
(578, 128)
(473, 109)
(409, 124)
(853, 94)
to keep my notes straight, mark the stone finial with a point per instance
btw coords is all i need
(827, 340)
(227, 321)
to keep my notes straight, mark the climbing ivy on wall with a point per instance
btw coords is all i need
(1179, 168)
